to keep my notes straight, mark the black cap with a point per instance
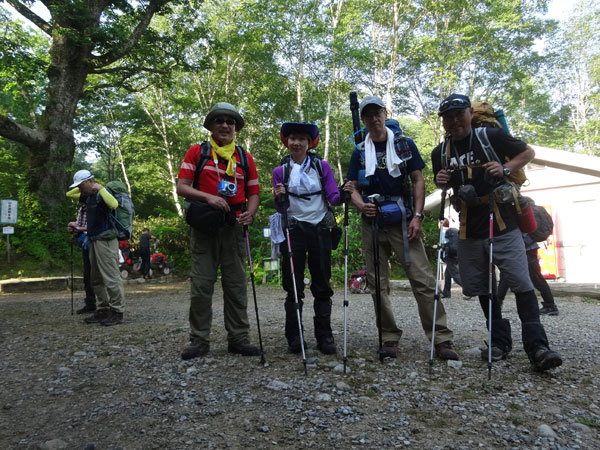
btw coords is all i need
(454, 101)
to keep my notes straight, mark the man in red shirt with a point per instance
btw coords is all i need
(228, 185)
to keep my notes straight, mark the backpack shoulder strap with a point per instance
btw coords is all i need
(245, 166)
(488, 149)
(285, 165)
(204, 156)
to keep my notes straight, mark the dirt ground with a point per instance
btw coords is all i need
(65, 384)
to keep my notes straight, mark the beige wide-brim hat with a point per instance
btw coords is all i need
(224, 109)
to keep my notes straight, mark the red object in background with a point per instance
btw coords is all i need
(123, 245)
(158, 257)
(549, 251)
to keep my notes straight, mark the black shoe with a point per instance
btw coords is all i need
(113, 318)
(549, 310)
(195, 349)
(544, 359)
(389, 349)
(243, 348)
(497, 353)
(327, 346)
(86, 309)
(294, 345)
(98, 316)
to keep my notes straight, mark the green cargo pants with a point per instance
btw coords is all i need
(225, 249)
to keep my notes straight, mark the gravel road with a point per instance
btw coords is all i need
(68, 385)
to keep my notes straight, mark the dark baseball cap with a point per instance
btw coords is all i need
(454, 101)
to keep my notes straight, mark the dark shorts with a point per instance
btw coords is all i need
(508, 254)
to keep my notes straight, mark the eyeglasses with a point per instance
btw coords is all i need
(372, 113)
(221, 120)
(454, 102)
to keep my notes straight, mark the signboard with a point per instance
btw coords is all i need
(8, 230)
(548, 253)
(8, 213)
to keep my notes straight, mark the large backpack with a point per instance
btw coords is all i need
(545, 224)
(484, 117)
(122, 216)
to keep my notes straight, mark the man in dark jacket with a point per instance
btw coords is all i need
(460, 163)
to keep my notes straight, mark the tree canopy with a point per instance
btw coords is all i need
(122, 87)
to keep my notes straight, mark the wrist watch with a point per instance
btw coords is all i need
(506, 171)
(419, 216)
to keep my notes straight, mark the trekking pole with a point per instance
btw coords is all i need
(375, 245)
(72, 238)
(262, 353)
(346, 202)
(436, 296)
(490, 285)
(296, 302)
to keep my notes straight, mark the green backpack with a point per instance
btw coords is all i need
(122, 216)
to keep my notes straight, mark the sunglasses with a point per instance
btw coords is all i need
(221, 120)
(454, 102)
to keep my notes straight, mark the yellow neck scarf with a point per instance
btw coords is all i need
(227, 152)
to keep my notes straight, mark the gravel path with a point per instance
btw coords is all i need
(64, 384)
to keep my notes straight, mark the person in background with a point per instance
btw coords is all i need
(79, 230)
(145, 252)
(104, 250)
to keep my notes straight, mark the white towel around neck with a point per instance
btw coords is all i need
(300, 182)
(393, 161)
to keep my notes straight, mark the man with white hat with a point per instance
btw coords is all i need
(104, 250)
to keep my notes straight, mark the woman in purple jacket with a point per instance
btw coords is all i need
(303, 187)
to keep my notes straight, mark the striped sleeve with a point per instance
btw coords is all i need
(253, 188)
(188, 166)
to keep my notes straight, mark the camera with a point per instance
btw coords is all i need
(227, 188)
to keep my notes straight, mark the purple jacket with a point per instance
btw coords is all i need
(331, 190)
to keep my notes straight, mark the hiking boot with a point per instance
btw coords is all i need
(445, 350)
(295, 347)
(195, 349)
(549, 310)
(389, 349)
(113, 318)
(544, 359)
(497, 353)
(243, 348)
(327, 346)
(98, 316)
(86, 309)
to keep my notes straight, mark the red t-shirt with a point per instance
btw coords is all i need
(208, 179)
